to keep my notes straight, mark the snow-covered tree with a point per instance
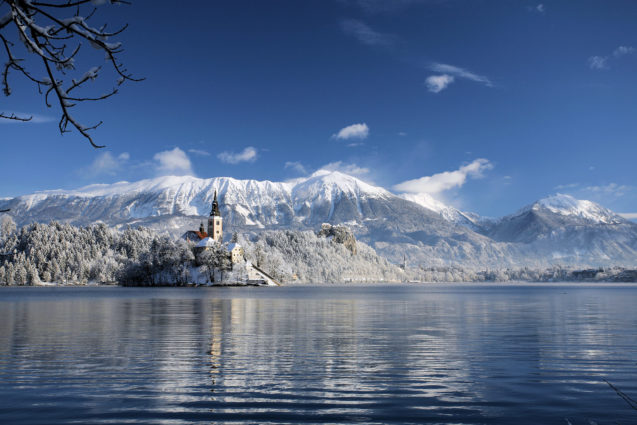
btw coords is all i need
(33, 278)
(20, 275)
(214, 261)
(7, 226)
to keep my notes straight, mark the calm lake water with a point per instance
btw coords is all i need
(452, 354)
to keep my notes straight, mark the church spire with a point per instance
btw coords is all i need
(215, 207)
(215, 222)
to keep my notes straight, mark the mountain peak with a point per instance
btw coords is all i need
(324, 179)
(566, 205)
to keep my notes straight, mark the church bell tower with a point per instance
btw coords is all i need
(215, 222)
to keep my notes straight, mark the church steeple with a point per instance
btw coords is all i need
(215, 222)
(215, 207)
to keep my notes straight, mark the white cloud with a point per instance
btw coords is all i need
(296, 166)
(351, 169)
(249, 154)
(365, 34)
(354, 131)
(199, 152)
(623, 50)
(402, 133)
(446, 180)
(629, 216)
(598, 62)
(437, 83)
(382, 6)
(106, 163)
(174, 162)
(567, 186)
(448, 74)
(460, 73)
(604, 194)
(540, 8)
(613, 189)
(602, 62)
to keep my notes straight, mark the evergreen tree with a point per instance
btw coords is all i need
(33, 278)
(20, 276)
(7, 226)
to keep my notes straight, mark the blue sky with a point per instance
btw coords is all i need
(486, 105)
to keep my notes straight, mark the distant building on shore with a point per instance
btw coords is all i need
(237, 255)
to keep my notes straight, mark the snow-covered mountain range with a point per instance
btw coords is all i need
(554, 230)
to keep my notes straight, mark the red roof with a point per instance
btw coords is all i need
(194, 235)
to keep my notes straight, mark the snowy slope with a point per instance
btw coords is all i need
(171, 195)
(550, 216)
(568, 206)
(555, 229)
(248, 202)
(447, 212)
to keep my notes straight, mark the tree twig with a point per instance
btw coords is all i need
(45, 40)
(15, 118)
(632, 403)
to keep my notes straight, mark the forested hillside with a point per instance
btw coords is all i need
(67, 254)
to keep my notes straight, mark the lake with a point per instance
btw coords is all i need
(378, 354)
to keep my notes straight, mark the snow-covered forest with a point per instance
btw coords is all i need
(303, 256)
(67, 254)
(64, 253)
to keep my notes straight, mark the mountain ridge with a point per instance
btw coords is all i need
(556, 228)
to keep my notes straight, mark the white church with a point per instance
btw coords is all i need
(213, 238)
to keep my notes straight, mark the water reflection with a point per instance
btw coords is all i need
(375, 355)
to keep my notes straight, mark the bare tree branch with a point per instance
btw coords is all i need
(76, 3)
(632, 403)
(43, 30)
(15, 118)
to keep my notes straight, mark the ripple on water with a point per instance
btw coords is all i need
(454, 354)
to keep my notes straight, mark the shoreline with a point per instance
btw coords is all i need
(341, 284)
